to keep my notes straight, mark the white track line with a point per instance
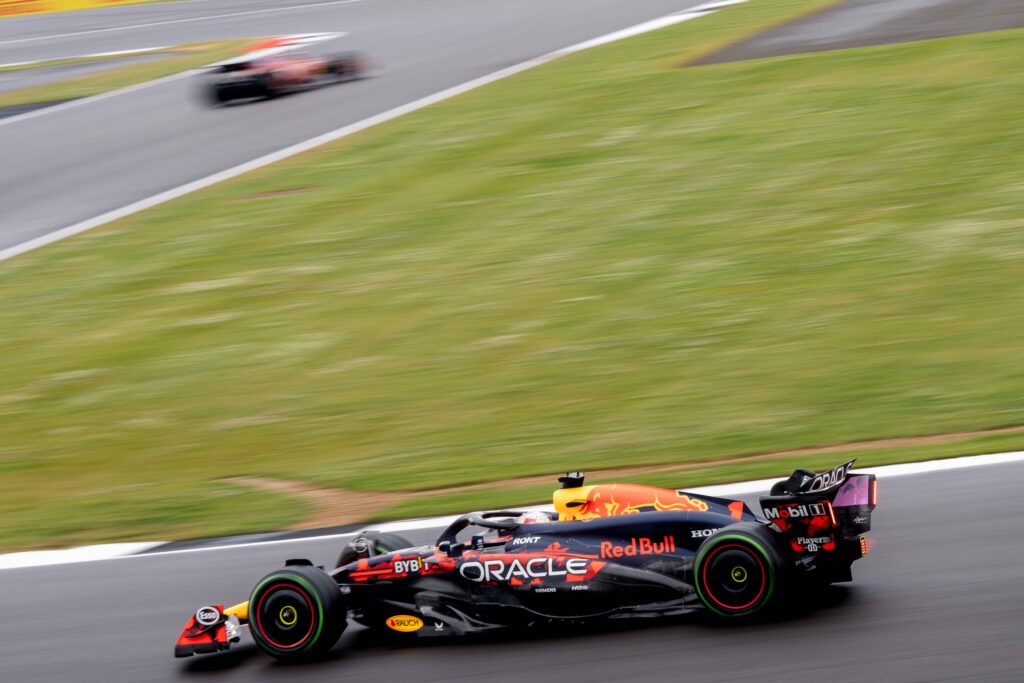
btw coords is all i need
(132, 27)
(89, 553)
(128, 550)
(115, 53)
(344, 131)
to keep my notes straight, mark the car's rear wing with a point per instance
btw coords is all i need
(817, 511)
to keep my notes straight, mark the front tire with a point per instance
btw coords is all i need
(296, 613)
(740, 570)
(216, 94)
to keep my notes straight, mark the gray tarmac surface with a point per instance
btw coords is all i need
(61, 167)
(861, 23)
(940, 598)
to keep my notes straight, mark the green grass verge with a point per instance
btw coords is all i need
(185, 57)
(603, 262)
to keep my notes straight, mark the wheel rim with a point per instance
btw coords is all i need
(734, 577)
(285, 616)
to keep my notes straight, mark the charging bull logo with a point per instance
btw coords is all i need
(629, 499)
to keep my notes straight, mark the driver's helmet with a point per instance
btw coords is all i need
(534, 517)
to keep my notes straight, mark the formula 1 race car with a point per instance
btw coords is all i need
(614, 551)
(267, 77)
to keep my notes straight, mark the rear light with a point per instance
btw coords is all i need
(831, 513)
(863, 546)
(874, 492)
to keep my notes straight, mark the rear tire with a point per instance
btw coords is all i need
(349, 65)
(263, 87)
(296, 613)
(741, 570)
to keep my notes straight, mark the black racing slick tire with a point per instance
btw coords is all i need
(262, 87)
(741, 570)
(369, 544)
(216, 94)
(296, 613)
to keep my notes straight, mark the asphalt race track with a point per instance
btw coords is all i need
(63, 167)
(940, 598)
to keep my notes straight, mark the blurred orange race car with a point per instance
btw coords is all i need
(267, 77)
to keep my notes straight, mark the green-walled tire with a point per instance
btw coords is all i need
(741, 570)
(296, 613)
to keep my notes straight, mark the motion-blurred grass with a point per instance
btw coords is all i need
(603, 262)
(181, 58)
